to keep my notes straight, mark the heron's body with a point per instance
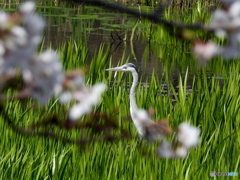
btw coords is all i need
(140, 125)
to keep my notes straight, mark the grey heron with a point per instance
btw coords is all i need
(146, 128)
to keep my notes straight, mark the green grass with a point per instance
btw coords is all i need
(207, 97)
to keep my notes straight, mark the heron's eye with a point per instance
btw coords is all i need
(125, 67)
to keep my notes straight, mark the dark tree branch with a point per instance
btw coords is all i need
(45, 132)
(21, 95)
(155, 17)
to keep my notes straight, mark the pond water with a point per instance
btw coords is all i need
(104, 28)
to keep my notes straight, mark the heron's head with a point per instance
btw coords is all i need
(129, 67)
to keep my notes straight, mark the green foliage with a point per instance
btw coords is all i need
(207, 97)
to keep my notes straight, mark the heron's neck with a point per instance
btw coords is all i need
(133, 104)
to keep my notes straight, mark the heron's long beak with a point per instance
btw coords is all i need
(114, 69)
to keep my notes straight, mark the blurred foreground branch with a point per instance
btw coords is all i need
(156, 16)
(44, 128)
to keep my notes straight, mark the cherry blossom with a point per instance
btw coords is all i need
(204, 51)
(44, 75)
(225, 23)
(188, 135)
(87, 98)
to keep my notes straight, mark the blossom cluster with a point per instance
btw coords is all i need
(42, 74)
(225, 22)
(187, 136)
